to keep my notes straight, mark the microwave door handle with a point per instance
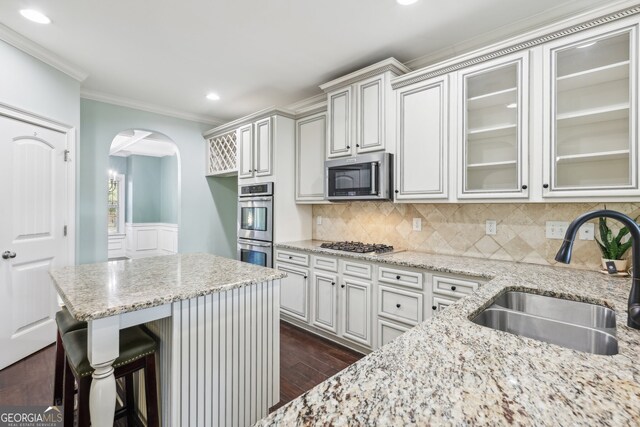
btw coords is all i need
(374, 178)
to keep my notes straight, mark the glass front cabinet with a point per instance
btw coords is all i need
(493, 122)
(590, 140)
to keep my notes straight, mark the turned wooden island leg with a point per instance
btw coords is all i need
(103, 350)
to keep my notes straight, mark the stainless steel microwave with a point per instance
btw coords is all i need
(363, 177)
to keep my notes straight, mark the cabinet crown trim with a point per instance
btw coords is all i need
(389, 64)
(232, 126)
(441, 69)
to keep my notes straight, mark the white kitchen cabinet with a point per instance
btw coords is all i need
(255, 149)
(361, 111)
(389, 331)
(311, 140)
(339, 112)
(294, 292)
(356, 311)
(493, 119)
(590, 123)
(439, 303)
(325, 301)
(422, 140)
(245, 151)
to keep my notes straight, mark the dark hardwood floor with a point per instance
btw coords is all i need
(305, 361)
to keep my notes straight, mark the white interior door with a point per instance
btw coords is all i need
(32, 213)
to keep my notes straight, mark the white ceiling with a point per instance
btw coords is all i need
(255, 53)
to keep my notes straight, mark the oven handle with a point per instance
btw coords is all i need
(262, 245)
(374, 177)
(252, 199)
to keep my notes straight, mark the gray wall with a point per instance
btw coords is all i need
(207, 211)
(169, 180)
(29, 84)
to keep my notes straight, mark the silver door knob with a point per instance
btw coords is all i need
(8, 254)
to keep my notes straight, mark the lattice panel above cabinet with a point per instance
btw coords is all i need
(221, 155)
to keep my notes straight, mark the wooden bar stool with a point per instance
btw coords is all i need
(137, 351)
(66, 323)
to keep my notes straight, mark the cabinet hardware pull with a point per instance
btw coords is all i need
(545, 185)
(342, 286)
(290, 257)
(305, 277)
(348, 147)
(453, 288)
(398, 305)
(397, 191)
(333, 283)
(433, 307)
(397, 277)
(357, 145)
(524, 187)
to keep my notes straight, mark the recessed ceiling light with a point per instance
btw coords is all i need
(213, 96)
(406, 2)
(586, 45)
(35, 16)
(512, 105)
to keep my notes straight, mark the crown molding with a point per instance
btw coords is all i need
(145, 106)
(34, 49)
(389, 64)
(233, 125)
(311, 105)
(526, 25)
(581, 22)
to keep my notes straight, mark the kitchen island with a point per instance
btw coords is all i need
(217, 321)
(450, 371)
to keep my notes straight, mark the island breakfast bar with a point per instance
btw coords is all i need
(217, 320)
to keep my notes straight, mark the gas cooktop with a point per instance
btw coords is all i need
(359, 247)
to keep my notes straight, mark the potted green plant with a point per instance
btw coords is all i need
(613, 248)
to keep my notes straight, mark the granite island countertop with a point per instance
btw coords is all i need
(93, 291)
(451, 371)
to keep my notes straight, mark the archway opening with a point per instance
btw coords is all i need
(143, 196)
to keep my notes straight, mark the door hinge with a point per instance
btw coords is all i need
(64, 230)
(67, 157)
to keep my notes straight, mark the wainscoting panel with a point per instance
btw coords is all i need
(220, 357)
(151, 239)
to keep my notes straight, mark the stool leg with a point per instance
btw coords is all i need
(151, 391)
(84, 385)
(131, 403)
(58, 376)
(69, 394)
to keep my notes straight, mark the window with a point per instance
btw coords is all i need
(115, 203)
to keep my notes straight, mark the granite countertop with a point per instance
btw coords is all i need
(93, 291)
(451, 371)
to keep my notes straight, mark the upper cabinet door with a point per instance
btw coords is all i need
(311, 137)
(422, 134)
(493, 119)
(339, 126)
(370, 116)
(590, 125)
(263, 150)
(245, 151)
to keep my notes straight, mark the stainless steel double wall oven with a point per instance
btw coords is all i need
(255, 224)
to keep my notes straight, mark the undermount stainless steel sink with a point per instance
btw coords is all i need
(576, 325)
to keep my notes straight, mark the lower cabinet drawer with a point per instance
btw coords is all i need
(356, 269)
(388, 331)
(452, 286)
(411, 279)
(400, 305)
(439, 303)
(292, 258)
(325, 263)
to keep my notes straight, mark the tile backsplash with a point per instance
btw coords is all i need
(459, 229)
